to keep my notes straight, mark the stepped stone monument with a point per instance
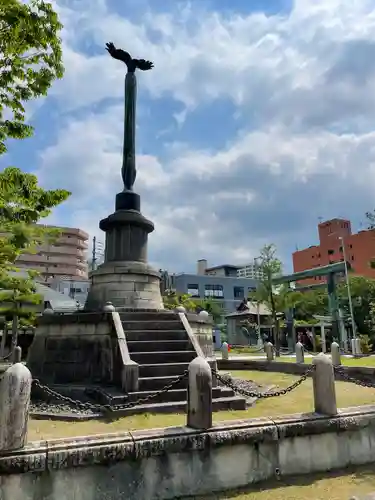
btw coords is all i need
(125, 279)
(124, 348)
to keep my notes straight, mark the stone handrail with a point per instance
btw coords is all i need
(130, 369)
(192, 337)
(201, 341)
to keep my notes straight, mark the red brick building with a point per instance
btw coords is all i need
(333, 234)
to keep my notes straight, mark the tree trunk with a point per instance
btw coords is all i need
(3, 340)
(276, 323)
(277, 337)
(14, 333)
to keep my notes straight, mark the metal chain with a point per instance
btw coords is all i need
(7, 356)
(264, 395)
(96, 408)
(339, 370)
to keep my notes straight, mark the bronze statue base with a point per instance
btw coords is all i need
(128, 200)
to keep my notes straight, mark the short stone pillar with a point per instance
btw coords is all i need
(300, 353)
(324, 385)
(358, 348)
(354, 346)
(224, 350)
(335, 354)
(268, 347)
(15, 392)
(17, 355)
(199, 411)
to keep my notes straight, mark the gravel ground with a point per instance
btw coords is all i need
(247, 385)
(63, 408)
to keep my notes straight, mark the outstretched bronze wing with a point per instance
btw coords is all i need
(143, 64)
(119, 54)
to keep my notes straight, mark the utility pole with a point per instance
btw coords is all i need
(354, 332)
(93, 262)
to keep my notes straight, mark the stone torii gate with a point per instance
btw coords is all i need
(330, 273)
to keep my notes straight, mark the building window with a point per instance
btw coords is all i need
(331, 252)
(238, 292)
(193, 290)
(350, 246)
(340, 249)
(352, 257)
(216, 291)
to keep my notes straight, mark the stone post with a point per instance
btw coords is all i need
(224, 351)
(324, 385)
(199, 411)
(15, 392)
(17, 355)
(323, 337)
(358, 349)
(300, 353)
(268, 347)
(355, 345)
(335, 354)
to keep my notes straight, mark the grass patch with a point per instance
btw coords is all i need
(298, 401)
(368, 361)
(337, 485)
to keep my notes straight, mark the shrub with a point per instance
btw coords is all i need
(366, 344)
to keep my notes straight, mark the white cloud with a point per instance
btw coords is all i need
(305, 82)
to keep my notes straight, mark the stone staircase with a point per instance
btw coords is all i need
(158, 342)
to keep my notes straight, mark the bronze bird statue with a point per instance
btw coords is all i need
(132, 64)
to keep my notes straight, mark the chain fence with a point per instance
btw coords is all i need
(339, 370)
(267, 394)
(8, 356)
(106, 408)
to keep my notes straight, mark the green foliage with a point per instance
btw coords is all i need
(311, 303)
(172, 299)
(30, 60)
(22, 204)
(211, 306)
(363, 295)
(366, 344)
(276, 301)
(318, 342)
(18, 293)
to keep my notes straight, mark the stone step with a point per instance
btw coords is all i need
(218, 404)
(149, 316)
(154, 335)
(115, 397)
(177, 395)
(157, 383)
(145, 358)
(174, 324)
(158, 345)
(162, 369)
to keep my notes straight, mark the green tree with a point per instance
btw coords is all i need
(30, 60)
(363, 296)
(18, 299)
(311, 303)
(279, 299)
(22, 205)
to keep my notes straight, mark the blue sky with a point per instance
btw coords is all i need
(257, 119)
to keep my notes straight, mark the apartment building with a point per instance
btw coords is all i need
(252, 270)
(219, 283)
(335, 240)
(64, 259)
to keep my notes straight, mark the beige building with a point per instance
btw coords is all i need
(64, 259)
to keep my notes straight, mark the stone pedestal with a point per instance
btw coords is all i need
(125, 278)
